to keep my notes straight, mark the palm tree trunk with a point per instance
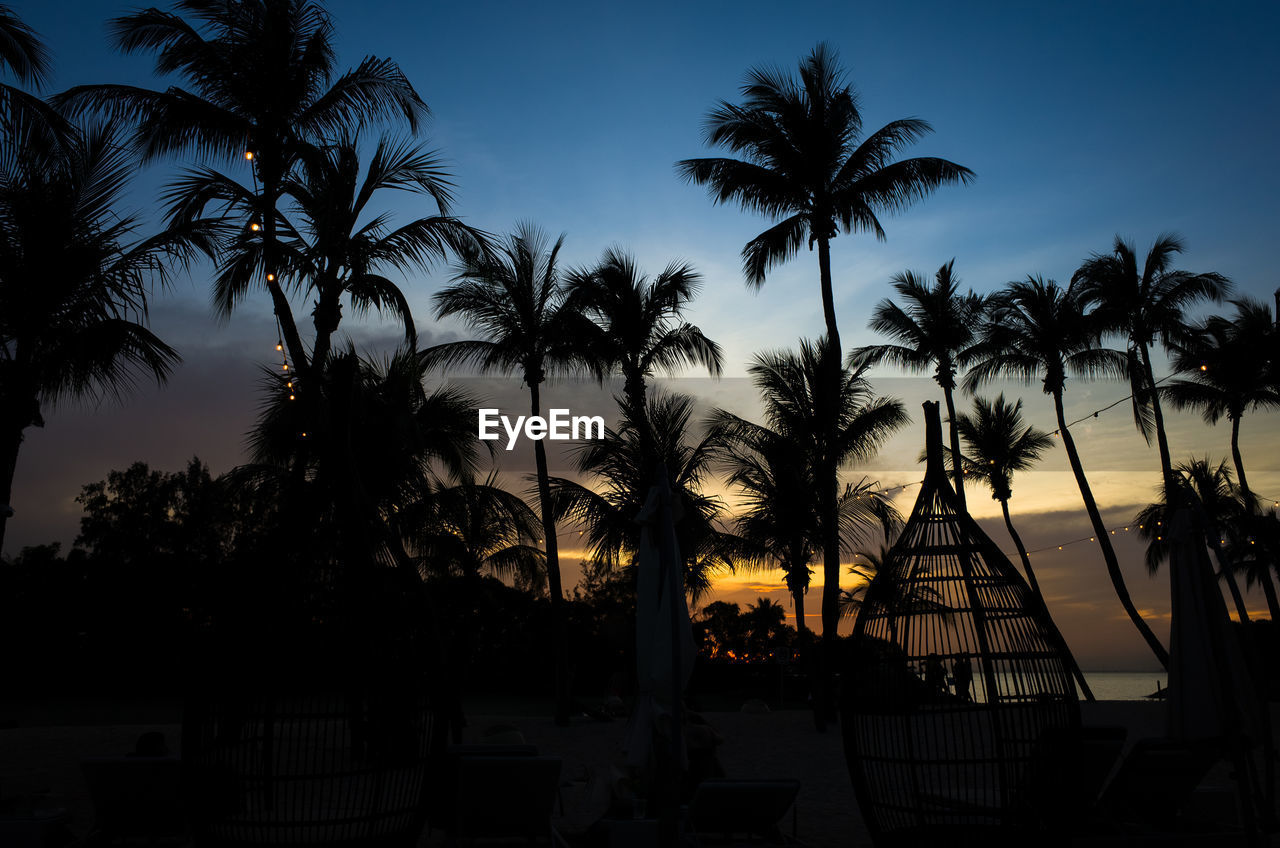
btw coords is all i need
(1228, 576)
(1104, 541)
(272, 175)
(560, 634)
(828, 294)
(957, 463)
(797, 596)
(825, 697)
(1162, 440)
(1035, 587)
(1263, 574)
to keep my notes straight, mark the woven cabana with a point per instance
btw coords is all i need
(956, 683)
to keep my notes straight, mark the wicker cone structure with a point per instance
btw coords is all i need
(956, 678)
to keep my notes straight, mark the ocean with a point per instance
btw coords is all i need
(1125, 685)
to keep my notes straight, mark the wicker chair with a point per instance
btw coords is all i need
(955, 675)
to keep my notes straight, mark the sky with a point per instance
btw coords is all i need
(1081, 121)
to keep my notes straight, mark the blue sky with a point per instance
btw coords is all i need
(1081, 121)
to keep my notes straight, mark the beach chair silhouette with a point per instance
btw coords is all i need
(138, 799)
(742, 812)
(1155, 781)
(501, 798)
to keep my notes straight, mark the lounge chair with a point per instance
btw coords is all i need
(135, 798)
(504, 798)
(750, 812)
(1155, 781)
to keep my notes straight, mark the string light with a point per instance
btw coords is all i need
(254, 226)
(248, 154)
(271, 278)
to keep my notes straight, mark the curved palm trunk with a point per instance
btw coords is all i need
(828, 293)
(1251, 504)
(1224, 569)
(1162, 440)
(560, 634)
(1104, 541)
(272, 176)
(1035, 587)
(797, 596)
(957, 463)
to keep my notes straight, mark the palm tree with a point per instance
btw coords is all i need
(621, 466)
(999, 444)
(936, 326)
(374, 454)
(798, 402)
(1038, 329)
(804, 157)
(258, 83)
(1212, 488)
(1228, 372)
(514, 299)
(327, 244)
(780, 520)
(74, 281)
(639, 321)
(24, 55)
(472, 527)
(1145, 307)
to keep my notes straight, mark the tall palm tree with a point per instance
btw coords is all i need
(22, 52)
(1212, 488)
(639, 320)
(1227, 372)
(621, 468)
(1038, 329)
(794, 386)
(933, 326)
(328, 244)
(780, 520)
(256, 80)
(24, 55)
(999, 444)
(74, 281)
(1145, 307)
(804, 160)
(513, 297)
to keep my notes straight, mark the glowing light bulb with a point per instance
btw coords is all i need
(271, 278)
(289, 385)
(1204, 367)
(254, 226)
(279, 346)
(290, 397)
(286, 366)
(1091, 539)
(248, 154)
(1059, 547)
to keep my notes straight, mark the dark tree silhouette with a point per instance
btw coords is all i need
(1145, 307)
(932, 326)
(1038, 329)
(74, 281)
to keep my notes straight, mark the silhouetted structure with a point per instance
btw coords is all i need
(928, 763)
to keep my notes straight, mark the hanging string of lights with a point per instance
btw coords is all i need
(255, 226)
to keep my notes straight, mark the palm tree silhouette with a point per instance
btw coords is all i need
(1037, 328)
(1213, 489)
(935, 325)
(780, 520)
(999, 444)
(513, 297)
(621, 466)
(74, 281)
(794, 386)
(1228, 372)
(640, 331)
(22, 52)
(1145, 307)
(327, 246)
(257, 82)
(471, 527)
(804, 157)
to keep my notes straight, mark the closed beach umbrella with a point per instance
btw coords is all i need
(1211, 694)
(664, 634)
